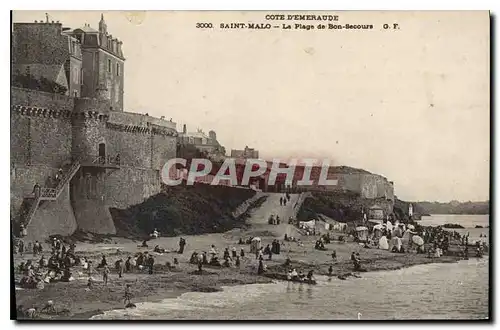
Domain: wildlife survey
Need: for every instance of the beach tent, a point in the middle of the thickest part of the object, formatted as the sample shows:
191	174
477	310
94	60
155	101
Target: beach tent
307	224
395	241
362	233
255	244
383	244
418	240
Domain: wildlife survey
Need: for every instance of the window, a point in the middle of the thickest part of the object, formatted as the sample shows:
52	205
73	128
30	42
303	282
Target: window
75	93
108	86
109	65
117	69
75	76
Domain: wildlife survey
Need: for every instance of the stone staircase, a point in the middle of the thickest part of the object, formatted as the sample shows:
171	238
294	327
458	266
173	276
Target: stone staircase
50	194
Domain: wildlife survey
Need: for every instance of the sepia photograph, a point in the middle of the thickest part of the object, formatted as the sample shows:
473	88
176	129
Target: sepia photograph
250	165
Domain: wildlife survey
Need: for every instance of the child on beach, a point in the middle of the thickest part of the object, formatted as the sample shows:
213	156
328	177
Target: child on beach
128	295
89	284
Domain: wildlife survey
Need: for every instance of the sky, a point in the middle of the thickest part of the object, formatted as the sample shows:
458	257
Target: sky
410	104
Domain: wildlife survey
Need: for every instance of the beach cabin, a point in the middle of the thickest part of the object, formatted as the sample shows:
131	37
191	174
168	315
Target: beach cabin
362	233
255	244
331	225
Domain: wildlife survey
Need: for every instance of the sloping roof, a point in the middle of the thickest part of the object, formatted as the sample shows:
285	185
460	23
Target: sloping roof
51	72
196	135
87	29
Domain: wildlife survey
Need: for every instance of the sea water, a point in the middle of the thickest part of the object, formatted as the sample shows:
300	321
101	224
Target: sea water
418	292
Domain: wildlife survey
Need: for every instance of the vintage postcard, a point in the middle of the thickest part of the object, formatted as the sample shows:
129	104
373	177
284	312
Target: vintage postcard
250	165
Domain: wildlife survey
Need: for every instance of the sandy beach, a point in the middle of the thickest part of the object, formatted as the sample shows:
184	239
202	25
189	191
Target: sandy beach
73	301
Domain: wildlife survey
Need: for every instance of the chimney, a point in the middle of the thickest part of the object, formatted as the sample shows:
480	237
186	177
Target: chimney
119	47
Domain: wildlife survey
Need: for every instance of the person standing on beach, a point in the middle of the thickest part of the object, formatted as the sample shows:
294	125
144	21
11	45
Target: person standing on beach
242	253
89	268
105	274
119	266
182	243
128	264
151	262
233	250
281	201
260	270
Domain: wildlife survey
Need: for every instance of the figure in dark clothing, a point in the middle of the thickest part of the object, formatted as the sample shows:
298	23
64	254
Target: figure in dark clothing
144	244
233	252
237	262
260	270
128	264
63	250
151	262
182	243
36	190
281	201
140	259
242	253
310	275
226	254
334	255
21	247
330	270
268	251
103	262
284	202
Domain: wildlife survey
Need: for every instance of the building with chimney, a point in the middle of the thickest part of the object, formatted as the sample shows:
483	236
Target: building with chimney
245	153
44	50
67	115
103	63
207	144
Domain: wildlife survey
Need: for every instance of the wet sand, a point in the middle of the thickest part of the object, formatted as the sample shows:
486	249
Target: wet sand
80	303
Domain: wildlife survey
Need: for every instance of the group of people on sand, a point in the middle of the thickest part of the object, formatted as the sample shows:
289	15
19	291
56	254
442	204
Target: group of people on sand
284	199
230	258
292	275
274	220
56	268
